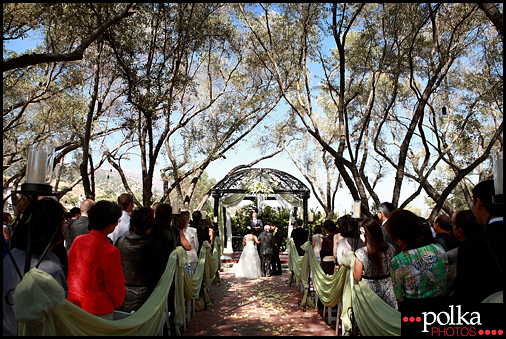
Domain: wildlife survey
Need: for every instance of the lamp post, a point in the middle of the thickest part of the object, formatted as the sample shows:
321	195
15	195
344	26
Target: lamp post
39	168
498	179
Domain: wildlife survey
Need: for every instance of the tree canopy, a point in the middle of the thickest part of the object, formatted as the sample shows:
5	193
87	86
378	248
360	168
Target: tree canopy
412	91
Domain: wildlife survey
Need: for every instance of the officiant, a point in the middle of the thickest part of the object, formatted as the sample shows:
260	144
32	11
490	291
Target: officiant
257	225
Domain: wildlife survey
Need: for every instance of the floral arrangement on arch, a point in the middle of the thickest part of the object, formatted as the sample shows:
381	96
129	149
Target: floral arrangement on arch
260	188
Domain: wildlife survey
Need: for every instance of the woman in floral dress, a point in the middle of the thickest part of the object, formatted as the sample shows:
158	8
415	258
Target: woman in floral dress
372	263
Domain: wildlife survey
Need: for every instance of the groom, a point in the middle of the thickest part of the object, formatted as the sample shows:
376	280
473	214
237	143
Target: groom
266	243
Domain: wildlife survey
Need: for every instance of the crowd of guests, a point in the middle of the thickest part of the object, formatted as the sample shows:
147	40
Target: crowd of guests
107	256
411	264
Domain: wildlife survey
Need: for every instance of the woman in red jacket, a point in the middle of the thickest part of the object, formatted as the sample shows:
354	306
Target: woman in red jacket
95	279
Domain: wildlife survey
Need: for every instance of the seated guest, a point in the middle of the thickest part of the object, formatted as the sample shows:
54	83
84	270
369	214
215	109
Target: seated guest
327	247
372	262
419	270
47	217
443	229
96	281
141	258
351	237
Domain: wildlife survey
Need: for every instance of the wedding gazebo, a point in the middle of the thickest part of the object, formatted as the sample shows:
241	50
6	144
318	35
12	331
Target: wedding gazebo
260	184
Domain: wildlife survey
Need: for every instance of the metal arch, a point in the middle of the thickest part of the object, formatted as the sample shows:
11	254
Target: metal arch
284	183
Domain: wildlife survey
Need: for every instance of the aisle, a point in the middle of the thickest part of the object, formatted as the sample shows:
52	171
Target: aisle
264	306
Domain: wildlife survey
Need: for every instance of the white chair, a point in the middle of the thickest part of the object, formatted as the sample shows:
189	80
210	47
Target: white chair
338	321
330	311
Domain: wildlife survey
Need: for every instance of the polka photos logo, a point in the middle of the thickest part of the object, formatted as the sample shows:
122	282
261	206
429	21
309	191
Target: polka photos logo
455	321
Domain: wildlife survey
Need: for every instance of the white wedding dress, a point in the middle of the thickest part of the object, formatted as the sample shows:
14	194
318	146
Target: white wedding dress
249	263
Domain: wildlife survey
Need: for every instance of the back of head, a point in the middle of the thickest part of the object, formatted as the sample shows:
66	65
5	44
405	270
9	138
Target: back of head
404	225
163	216
124	200
484	190
142	220
196	216
47	216
86	205
346	226
330	226
300	222
386	208
318	229
74	211
426	230
445	222
467	222
104	213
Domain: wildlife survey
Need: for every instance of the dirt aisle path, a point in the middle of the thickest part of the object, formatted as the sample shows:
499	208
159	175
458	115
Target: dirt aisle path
264	306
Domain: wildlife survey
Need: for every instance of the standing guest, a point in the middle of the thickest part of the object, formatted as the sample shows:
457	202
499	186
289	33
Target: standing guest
81	225
96	281
443	228
141	258
211	231
465	225
190	234
483	251
299	236
384	210
163	231
74	214
278	240
351	237
202	229
266	243
7	220
372	262
47	218
126	201
337	237
419	270
317	241
327	249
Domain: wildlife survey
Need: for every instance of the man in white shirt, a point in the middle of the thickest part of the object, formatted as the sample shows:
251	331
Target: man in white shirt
126	201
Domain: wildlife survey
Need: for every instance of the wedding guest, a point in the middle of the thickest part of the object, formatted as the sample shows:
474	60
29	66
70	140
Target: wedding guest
351	237
141	258
163	231
190	234
96	281
483	251
317	241
211	231
384	210
74	214
7	220
278	240
327	247
81	225
126	201
443	228
419	270
465	226
372	262
299	236
47	217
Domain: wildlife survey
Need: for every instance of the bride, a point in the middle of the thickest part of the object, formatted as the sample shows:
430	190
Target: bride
249	263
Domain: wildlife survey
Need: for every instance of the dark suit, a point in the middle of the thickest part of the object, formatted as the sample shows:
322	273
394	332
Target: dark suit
479	261
446	241
79	227
276	262
266	244
299	236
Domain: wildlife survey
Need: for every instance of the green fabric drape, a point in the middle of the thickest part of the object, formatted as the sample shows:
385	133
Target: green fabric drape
40	306
373	315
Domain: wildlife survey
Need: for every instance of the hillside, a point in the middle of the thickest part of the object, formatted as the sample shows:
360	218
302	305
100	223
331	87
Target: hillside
108	186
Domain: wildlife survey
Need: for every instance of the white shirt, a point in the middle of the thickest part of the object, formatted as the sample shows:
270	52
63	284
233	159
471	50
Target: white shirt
190	234
123	228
